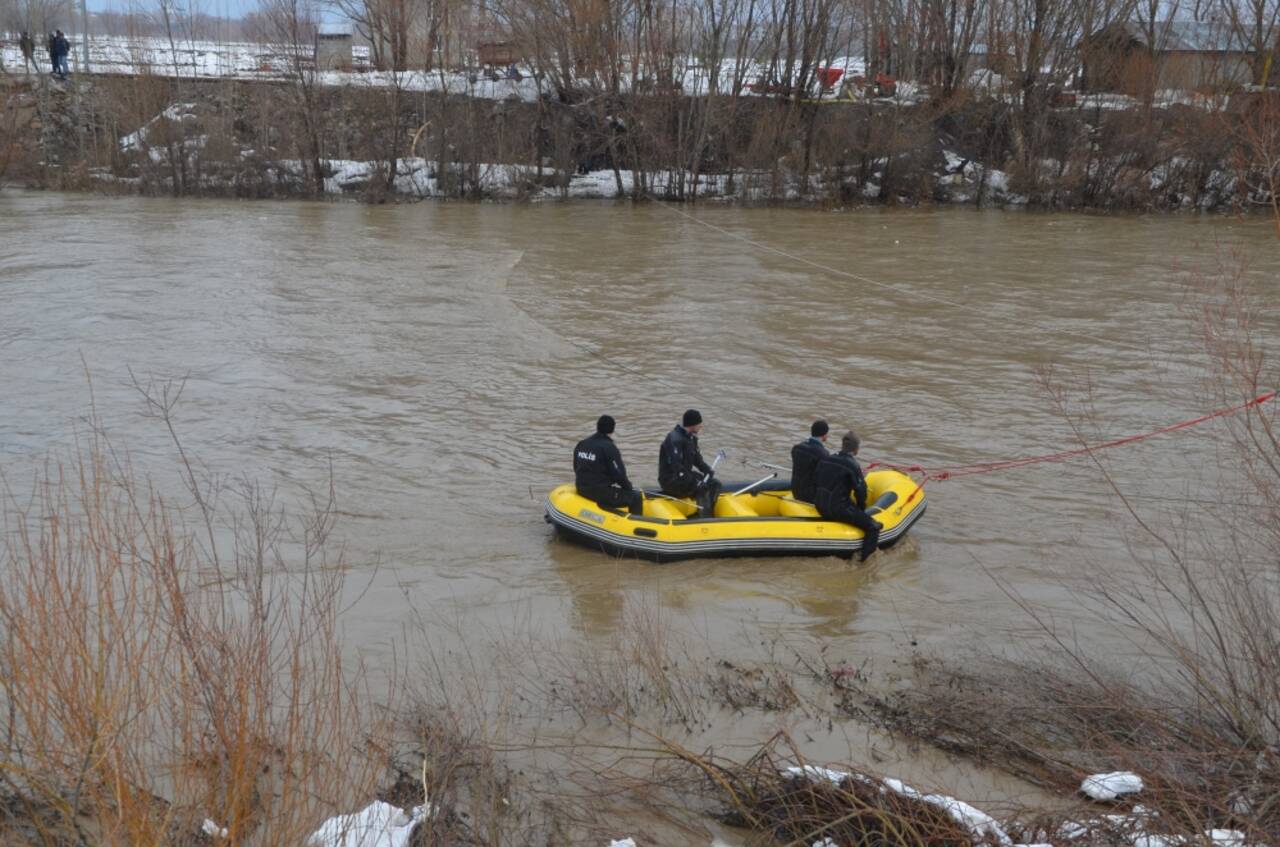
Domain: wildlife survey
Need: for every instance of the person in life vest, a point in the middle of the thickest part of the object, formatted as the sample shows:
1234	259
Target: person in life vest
805	457
842	493
598	471
681	470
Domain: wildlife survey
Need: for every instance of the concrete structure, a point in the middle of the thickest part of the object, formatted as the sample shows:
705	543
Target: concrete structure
1184	55
333	47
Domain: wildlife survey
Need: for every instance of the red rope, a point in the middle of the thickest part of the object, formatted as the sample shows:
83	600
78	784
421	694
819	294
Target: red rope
952	471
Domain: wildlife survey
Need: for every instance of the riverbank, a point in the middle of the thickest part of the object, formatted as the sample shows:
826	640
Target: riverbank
382	139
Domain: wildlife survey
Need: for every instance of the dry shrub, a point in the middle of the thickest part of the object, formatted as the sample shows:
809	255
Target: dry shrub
163	664
1052	727
1187	693
767	796
1258	154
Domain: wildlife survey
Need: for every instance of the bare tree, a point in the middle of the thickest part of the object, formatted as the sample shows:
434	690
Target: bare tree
402	34
35	16
1254	25
290	27
948	32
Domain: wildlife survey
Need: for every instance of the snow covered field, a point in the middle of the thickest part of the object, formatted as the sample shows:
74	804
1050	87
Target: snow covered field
184	58
190	59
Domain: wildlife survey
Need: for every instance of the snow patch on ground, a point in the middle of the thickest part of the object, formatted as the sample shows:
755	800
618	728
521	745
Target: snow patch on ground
976	820
176	112
817	774
985	79
982	825
212	830
1136	828
377	825
1109	786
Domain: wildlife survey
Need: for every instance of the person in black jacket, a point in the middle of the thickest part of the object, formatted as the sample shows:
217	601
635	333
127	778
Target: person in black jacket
681	470
598	471
61	48
804	462
840	476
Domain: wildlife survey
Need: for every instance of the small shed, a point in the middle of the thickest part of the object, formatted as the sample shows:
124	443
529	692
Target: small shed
1139	57
499	53
333	47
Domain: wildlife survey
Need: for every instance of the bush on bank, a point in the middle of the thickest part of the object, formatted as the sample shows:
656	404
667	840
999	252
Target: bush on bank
279	139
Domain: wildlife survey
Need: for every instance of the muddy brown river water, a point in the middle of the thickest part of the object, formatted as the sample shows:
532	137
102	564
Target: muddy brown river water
442	359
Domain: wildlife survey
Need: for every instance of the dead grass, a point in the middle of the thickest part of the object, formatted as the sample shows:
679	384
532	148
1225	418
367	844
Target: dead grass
165	662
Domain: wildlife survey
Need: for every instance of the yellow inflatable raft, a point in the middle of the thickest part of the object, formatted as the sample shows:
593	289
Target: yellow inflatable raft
766	521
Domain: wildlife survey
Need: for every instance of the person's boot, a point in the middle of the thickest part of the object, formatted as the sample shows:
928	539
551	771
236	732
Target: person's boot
871	541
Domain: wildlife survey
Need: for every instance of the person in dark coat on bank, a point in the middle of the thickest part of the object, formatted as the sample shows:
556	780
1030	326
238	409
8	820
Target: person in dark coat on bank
27	45
839	477
805	457
681	470
598	471
62	48
52	47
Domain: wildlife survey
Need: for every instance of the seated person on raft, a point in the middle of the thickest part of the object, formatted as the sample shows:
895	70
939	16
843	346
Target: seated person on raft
598	471
681	470
840	476
805	457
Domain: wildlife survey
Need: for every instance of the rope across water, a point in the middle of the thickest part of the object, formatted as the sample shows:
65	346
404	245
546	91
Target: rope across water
939	474
953	471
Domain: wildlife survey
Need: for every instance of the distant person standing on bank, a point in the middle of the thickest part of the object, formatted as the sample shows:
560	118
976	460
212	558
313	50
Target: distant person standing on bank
62	48
51	45
27	45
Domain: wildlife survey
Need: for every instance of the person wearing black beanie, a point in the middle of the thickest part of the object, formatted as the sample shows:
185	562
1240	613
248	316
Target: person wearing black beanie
598	471
842	493
805	457
681	469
